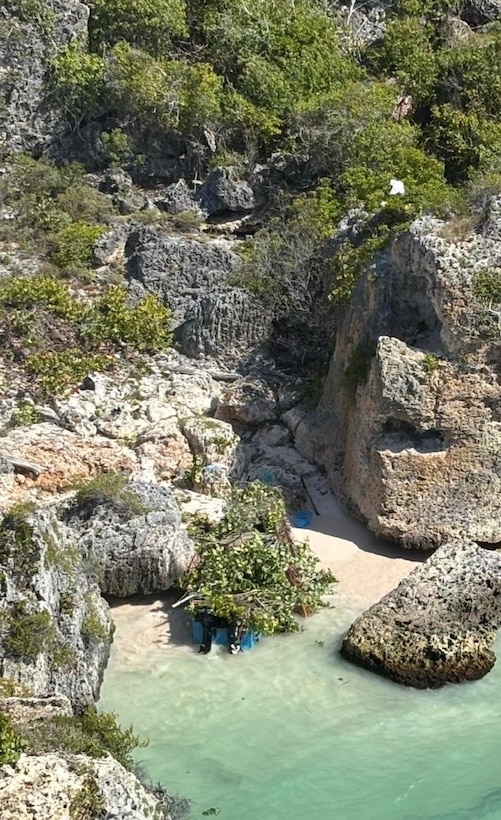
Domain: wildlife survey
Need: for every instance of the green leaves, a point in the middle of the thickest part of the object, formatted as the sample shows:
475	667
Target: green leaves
147	24
249	567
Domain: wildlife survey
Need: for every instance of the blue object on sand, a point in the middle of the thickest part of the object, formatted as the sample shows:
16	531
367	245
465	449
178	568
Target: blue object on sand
303	518
220	636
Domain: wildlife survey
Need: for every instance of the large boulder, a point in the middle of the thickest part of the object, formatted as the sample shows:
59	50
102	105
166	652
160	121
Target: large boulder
134	533
223	191
408	426
438	625
194	278
36	35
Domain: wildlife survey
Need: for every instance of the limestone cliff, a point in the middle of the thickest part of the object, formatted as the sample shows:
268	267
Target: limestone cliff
408	427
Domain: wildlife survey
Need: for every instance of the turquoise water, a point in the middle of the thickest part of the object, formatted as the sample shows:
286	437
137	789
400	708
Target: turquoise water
290	731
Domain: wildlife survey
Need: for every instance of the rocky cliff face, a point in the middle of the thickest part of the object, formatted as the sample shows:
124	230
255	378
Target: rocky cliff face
55	627
438	625
30	37
53	787
408	427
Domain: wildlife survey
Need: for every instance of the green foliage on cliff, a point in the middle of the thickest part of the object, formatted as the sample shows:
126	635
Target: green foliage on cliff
250	569
60	337
147	24
110	489
93	733
11	743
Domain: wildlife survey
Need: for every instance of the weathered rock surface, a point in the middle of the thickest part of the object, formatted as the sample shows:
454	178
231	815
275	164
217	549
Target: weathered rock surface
224	191
136	538
28	42
408	428
250	401
61	458
56	787
438	625
55	629
193	278
26	710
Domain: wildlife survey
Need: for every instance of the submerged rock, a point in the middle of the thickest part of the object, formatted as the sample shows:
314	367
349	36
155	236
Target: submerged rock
438	625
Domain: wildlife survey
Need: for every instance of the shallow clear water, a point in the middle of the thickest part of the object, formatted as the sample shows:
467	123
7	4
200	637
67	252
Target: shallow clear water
290	731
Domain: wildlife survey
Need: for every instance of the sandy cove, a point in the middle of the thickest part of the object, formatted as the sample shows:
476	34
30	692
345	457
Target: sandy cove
365	567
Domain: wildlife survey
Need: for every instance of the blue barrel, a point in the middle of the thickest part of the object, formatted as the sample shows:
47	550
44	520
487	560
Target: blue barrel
303	518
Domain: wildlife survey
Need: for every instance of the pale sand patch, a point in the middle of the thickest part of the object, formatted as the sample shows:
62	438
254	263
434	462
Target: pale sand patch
366	569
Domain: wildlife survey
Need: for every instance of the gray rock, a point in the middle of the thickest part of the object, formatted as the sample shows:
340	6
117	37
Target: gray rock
481	12
48	786
177	198
224	191
250	401
225	321
49	586
109	248
193	278
438	625
137	539
24	710
27	121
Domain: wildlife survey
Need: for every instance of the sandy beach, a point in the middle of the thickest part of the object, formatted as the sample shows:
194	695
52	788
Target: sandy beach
365	567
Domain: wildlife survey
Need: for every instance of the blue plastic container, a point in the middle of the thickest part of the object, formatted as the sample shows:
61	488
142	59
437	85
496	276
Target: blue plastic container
303	518
221	638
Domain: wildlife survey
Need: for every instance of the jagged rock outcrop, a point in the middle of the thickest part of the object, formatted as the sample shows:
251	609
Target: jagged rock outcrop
135	536
57	787
438	625
193	277
223	191
29	39
408	426
55	629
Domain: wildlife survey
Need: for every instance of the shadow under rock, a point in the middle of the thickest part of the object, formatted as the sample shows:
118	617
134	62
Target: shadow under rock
174	625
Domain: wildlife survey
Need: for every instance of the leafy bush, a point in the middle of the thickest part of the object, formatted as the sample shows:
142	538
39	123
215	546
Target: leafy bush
25	414
92	733
27	633
163	94
487	286
250	569
56	372
11	744
144	326
31	293
146	24
73	245
78	79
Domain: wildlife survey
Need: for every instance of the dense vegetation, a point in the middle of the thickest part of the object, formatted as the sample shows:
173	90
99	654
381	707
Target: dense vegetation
249	568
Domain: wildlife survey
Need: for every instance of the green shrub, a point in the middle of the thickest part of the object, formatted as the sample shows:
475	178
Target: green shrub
32	293
250	569
359	364
28	633
93	733
78	79
163	94
56	372
146	24
144	326
487	286
89	802
11	744
430	363
25	414
73	245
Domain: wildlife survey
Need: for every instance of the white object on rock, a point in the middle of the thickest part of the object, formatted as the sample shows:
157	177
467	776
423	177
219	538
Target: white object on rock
396	187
